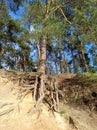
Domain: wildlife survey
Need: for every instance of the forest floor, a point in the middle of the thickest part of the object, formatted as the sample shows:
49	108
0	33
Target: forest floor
77	110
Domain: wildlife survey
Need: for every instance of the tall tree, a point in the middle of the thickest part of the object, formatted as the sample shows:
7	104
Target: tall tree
47	22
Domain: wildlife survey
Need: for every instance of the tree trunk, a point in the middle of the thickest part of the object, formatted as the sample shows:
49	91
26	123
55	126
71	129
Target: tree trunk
2	51
38	48
61	63
67	65
42	60
55	61
84	63
75	65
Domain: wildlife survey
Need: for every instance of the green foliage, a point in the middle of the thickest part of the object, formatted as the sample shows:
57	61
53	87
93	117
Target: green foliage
74	23
45	20
87	79
14	41
92	70
12	71
62	112
85	19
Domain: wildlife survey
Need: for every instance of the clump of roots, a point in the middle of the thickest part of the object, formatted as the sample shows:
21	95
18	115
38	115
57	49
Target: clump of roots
43	88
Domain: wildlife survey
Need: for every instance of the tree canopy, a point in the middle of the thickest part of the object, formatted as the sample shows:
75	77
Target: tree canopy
54	36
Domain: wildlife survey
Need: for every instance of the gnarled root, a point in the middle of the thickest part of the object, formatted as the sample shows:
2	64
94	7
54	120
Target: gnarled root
43	88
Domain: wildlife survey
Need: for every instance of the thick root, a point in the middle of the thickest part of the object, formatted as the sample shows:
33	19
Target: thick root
43	88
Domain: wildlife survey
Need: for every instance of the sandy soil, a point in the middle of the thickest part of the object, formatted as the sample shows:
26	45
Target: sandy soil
15	115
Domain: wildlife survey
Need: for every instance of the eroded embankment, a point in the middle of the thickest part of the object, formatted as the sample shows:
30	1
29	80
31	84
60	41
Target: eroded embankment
14	113
15	108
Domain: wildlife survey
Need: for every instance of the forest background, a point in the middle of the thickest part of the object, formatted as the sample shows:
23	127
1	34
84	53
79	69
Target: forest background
50	36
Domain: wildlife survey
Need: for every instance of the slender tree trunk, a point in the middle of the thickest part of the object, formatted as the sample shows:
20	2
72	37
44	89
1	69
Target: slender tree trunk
74	61
42	60
17	63
2	51
85	66
85	63
61	62
67	65
24	62
56	67
55	61
81	62
38	48
76	65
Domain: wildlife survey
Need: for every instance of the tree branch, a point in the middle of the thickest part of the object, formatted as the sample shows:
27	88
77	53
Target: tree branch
65	16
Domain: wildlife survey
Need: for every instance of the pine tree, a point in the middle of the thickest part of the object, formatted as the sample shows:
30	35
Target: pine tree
48	21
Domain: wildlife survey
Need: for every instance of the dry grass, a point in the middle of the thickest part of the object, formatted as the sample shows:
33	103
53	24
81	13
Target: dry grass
79	118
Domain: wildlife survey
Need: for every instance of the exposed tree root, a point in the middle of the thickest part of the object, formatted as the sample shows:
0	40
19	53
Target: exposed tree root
43	88
6	111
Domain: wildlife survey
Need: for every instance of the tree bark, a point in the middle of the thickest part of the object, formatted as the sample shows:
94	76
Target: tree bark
83	59
55	61
67	65
38	48
85	63
42	60
61	62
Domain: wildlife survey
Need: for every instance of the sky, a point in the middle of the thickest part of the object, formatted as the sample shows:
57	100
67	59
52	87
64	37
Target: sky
19	14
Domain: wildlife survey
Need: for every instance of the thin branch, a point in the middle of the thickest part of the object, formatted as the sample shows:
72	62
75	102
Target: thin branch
26	87
65	16
48	12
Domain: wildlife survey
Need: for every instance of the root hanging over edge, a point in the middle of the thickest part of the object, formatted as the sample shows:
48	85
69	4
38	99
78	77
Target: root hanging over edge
43	88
